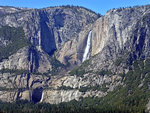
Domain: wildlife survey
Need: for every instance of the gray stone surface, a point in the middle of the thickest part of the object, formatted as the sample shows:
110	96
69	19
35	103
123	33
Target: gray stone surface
65	30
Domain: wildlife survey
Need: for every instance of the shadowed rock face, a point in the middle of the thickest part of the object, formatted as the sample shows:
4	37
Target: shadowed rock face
48	43
34	59
140	41
51	29
62	32
37	95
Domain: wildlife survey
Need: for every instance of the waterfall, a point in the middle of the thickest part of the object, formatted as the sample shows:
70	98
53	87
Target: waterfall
42	97
87	48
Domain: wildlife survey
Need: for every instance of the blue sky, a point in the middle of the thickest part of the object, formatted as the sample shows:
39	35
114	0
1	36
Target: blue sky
99	6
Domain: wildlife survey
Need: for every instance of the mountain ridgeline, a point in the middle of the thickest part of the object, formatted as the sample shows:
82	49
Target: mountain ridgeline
74	58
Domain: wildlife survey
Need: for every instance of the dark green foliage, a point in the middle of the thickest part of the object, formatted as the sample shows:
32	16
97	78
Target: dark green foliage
84	89
119	61
16	71
122	58
16	39
65	88
13	89
6	89
147	66
104	72
127	99
55	63
79	71
56	66
132	97
85	106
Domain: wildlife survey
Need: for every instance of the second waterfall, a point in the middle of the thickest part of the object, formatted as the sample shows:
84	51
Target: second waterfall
87	48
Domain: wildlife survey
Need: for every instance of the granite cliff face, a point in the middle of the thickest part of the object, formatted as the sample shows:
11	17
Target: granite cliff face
115	33
58	38
54	90
51	30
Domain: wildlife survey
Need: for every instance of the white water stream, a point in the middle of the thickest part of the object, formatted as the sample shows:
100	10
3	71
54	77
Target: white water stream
87	48
42	97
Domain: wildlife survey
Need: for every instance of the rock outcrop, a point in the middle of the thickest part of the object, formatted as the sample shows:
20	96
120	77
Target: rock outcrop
54	90
51	29
114	34
58	37
27	59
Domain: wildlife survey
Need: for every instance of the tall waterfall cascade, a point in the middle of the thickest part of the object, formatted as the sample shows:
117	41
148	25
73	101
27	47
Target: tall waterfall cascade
87	48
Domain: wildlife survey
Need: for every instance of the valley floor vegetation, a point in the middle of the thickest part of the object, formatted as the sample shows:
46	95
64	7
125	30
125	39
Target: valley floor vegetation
130	98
